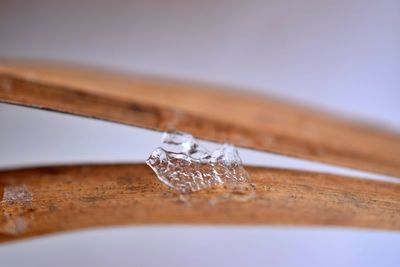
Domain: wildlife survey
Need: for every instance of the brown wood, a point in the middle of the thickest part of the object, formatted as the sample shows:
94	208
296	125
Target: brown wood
242	119
55	199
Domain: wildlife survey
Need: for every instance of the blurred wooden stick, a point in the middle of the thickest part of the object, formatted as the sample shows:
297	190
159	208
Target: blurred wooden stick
54	199
224	116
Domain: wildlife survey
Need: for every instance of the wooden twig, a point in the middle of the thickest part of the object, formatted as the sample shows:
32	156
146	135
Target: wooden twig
242	119
54	199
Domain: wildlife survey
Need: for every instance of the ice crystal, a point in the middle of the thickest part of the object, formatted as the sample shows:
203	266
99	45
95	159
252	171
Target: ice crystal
185	165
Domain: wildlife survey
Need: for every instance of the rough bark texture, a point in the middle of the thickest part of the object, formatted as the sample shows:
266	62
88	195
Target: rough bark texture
53	199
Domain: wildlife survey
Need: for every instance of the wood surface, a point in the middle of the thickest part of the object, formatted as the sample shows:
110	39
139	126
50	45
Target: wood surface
55	199
244	119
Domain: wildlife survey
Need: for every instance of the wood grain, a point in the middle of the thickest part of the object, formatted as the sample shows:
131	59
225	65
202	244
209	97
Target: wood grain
207	112
55	199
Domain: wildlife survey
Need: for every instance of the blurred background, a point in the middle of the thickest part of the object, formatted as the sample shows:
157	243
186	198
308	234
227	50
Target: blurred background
339	56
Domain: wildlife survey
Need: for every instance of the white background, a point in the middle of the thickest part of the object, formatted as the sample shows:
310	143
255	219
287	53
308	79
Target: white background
341	56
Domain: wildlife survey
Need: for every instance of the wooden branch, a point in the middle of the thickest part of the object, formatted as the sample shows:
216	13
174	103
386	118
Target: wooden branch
242	119
54	199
